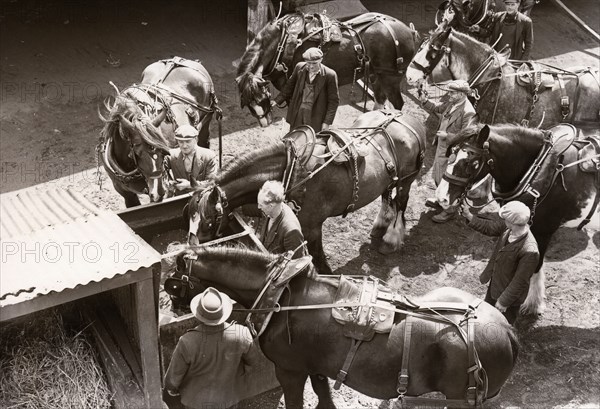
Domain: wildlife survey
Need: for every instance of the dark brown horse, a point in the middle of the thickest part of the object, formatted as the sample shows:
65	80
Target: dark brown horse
563	95
510	154
310	342
139	127
462	14
394	146
373	43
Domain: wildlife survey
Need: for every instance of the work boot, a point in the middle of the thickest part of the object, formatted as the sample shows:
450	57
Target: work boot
444	215
433	203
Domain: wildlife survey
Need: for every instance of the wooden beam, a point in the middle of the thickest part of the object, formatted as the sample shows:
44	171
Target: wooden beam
579	21
259	12
146	317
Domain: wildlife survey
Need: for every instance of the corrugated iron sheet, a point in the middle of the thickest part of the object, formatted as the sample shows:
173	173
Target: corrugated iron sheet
57	240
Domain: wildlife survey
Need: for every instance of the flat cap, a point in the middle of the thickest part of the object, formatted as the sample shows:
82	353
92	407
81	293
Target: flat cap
459	86
515	212
186	132
312	54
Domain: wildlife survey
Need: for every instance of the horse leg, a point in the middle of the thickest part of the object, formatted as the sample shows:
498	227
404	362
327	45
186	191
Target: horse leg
391	87
379	93
292	384
314	238
320	385
394	236
204	133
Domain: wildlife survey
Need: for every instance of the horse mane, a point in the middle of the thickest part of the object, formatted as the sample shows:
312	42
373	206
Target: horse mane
520	135
127	107
468	39
225	253
251	157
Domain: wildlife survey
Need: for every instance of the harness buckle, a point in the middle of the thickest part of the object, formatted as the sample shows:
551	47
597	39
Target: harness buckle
565	106
402	387
533	192
471	395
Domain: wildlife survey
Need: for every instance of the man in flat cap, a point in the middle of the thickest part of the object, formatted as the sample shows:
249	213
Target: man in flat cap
210	360
311	93
511	29
190	162
456	113
514	259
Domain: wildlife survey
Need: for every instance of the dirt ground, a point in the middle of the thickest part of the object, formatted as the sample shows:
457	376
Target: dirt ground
56	61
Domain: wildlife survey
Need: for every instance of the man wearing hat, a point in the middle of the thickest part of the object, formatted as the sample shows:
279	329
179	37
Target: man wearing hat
456	113
311	93
190	162
514	259
511	29
210	359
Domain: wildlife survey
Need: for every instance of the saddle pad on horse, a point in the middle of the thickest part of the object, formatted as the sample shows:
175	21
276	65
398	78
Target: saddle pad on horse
279	276
342	146
530	74
374	314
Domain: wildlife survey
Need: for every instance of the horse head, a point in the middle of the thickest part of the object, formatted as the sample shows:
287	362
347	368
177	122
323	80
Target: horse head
469	163
461	14
148	149
205	214
236	271
429	54
256	95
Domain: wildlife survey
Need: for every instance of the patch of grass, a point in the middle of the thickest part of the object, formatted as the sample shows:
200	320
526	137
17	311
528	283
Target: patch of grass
43	366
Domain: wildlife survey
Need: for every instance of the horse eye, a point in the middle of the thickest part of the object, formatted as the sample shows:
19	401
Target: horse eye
475	164
155	156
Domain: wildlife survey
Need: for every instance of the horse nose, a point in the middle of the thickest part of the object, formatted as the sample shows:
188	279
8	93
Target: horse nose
154	198
193	240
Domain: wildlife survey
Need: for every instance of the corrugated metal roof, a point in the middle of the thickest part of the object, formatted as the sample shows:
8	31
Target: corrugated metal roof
57	240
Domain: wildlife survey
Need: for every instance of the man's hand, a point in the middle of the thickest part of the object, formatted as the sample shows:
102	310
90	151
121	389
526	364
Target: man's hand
422	97
325	127
182	184
465	211
500	307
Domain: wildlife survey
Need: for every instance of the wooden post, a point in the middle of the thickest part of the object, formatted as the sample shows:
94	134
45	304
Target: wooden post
259	12
146	317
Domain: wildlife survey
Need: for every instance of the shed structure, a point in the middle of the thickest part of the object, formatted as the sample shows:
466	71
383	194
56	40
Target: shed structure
57	247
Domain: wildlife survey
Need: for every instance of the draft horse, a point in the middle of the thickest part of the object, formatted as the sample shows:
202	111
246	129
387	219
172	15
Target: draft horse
557	177
509	92
429	343
371	45
139	126
392	146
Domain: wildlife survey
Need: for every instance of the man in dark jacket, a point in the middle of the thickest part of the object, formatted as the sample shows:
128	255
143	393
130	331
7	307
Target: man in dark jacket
509	28
280	229
210	360
311	93
190	161
514	259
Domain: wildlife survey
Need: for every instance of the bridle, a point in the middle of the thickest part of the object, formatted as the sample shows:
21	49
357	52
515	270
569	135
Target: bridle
266	93
466	183
207	224
434	56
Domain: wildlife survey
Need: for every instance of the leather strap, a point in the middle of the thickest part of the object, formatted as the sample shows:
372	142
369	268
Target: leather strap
402	387
341	376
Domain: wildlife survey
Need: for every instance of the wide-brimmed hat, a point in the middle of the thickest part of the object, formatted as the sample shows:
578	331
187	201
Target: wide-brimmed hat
459	86
212	307
186	132
515	212
312	54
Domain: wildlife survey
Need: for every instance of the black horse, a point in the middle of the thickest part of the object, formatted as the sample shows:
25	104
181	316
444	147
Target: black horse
557	179
307	340
372	45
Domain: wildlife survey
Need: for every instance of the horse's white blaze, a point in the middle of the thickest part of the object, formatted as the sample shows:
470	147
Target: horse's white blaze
594	224
154	184
194	225
534	303
414	75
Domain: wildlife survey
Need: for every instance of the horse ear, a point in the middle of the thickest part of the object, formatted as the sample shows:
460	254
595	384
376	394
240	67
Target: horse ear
159	118
484	134
186	216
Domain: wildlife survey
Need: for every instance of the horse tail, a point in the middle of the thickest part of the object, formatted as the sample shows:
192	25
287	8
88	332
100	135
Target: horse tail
514	342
